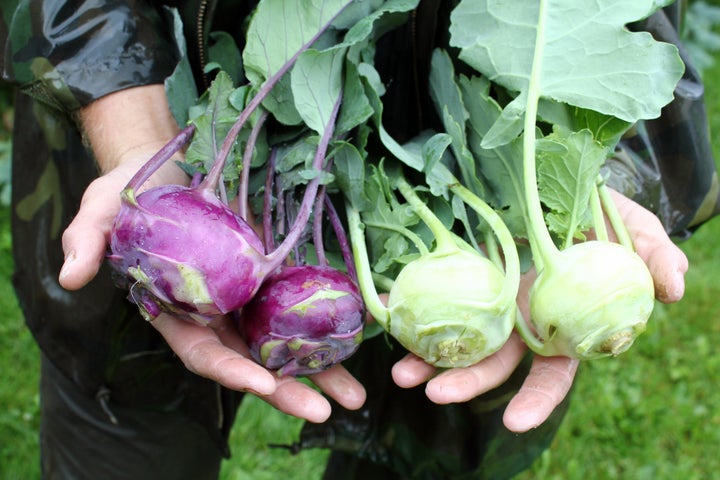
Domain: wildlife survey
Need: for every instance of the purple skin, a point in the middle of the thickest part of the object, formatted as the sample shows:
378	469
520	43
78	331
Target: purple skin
304	320
157	238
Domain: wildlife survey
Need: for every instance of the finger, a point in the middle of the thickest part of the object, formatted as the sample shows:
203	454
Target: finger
340	385
546	385
202	353
85	239
291	396
299	400
665	260
463	384
411	371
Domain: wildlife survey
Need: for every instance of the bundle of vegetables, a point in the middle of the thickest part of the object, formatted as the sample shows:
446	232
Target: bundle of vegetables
441	222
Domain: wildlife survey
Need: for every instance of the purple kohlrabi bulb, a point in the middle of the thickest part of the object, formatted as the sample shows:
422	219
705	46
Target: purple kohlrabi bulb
304	320
183	251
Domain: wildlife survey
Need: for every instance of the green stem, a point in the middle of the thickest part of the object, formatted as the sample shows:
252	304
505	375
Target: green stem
601	232
445	242
507	243
364	274
616	221
412	236
529	336
492	249
542	244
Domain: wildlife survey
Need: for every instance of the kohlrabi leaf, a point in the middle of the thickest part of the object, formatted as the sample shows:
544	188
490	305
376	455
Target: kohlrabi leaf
213	123
587	57
363	19
316	83
449	103
278	31
280	28
568	164
606	129
223	54
502	166
387	245
180	86
355	109
349	169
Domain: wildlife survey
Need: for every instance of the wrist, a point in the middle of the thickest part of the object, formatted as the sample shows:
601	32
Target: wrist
127	127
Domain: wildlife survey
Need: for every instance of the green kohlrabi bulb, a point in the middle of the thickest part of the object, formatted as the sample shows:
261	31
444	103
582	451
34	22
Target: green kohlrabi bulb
592	302
447	309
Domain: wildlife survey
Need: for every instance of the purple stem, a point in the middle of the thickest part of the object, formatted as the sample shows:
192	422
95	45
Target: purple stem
276	258
267	204
342	238
196	179
162	156
246	161
214	175
317	229
280	209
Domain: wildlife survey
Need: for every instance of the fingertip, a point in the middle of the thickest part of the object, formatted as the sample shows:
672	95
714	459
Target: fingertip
319	413
85	252
673	289
261	389
353	397
522	418
668	273
411	371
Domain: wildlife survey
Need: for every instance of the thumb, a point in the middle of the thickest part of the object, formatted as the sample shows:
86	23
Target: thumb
84	248
85	240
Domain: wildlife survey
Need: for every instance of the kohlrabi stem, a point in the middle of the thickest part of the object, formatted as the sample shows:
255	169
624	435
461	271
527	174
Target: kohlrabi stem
539	234
278	256
444	240
317	227
491	246
406	232
215	173
364	273
507	243
267	217
599	226
246	162
528	336
162	156
613	215
342	239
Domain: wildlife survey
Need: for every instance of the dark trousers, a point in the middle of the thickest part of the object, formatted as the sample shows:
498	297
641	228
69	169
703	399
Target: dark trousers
79	439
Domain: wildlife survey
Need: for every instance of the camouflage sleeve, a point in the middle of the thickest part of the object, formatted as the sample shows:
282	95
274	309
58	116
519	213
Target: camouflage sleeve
67	54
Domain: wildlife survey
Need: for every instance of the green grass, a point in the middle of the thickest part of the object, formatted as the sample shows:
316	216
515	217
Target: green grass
19	415
652	413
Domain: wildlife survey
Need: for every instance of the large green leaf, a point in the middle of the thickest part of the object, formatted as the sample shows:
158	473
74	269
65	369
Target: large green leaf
317	85
588	57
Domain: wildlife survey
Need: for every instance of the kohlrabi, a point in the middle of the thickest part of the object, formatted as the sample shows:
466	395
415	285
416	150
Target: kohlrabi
590	298
305	318
451	306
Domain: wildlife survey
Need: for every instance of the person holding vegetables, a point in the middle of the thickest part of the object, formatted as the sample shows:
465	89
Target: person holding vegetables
121	397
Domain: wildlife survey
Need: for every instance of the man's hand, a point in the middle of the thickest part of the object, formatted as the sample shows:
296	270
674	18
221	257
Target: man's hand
550	378
124	130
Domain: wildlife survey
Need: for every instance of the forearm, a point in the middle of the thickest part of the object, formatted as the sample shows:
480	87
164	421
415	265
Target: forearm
127	127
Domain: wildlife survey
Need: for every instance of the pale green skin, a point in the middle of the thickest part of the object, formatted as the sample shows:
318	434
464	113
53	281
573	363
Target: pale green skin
593	302
445	308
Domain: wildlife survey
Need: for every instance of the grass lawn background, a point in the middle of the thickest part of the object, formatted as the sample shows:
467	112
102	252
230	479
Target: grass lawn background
652	413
